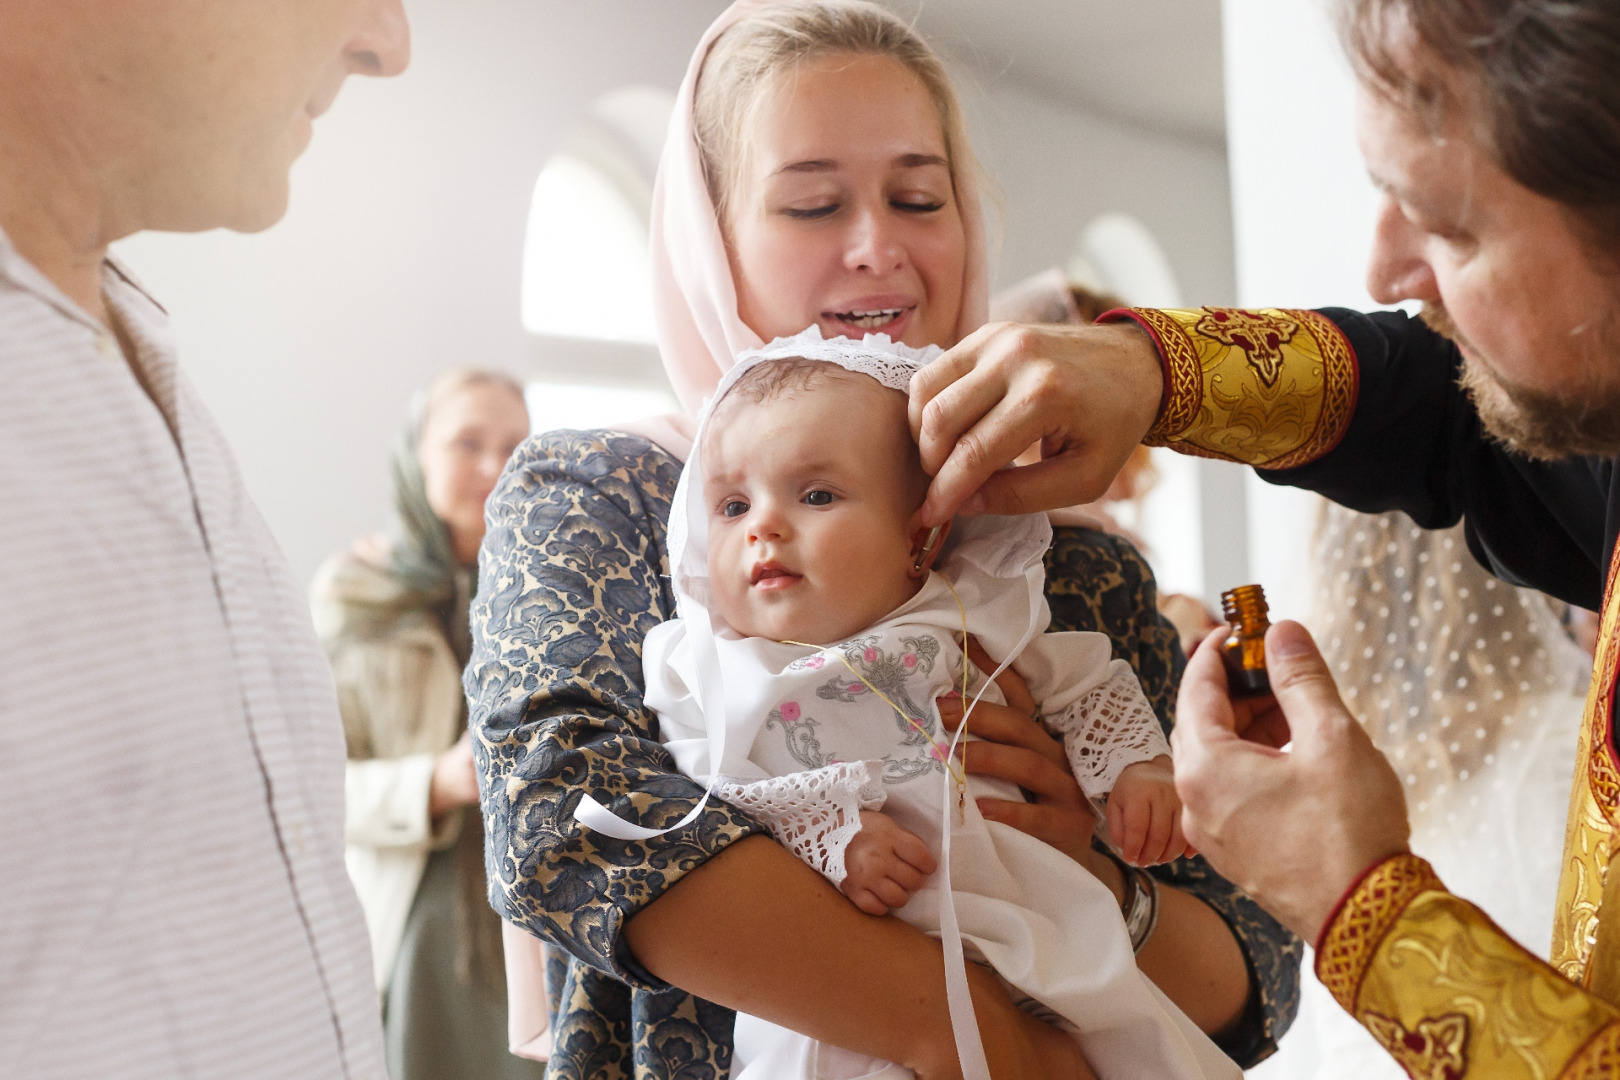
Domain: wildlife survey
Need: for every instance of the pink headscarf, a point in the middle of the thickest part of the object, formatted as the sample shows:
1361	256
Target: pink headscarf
700	335
694	296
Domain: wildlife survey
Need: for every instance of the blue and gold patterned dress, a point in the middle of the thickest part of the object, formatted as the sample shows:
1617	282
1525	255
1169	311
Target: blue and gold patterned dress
573	576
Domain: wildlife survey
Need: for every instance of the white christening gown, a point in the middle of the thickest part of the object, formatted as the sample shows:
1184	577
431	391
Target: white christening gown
808	745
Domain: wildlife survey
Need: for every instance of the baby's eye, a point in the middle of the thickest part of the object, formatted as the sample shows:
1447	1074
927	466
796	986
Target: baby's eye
734	508
819	498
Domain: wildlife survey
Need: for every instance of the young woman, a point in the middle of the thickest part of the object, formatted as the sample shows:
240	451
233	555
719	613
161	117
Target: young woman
818	172
392	613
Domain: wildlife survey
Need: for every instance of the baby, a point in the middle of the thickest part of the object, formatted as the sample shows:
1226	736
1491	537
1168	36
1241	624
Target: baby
795	537
814	488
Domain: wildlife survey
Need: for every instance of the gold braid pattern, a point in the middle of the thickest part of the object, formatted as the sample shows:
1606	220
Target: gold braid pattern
1599	1059
1582	948
1272	387
1365	916
1451	996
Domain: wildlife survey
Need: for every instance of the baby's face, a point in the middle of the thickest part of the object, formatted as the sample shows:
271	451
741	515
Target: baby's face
812	501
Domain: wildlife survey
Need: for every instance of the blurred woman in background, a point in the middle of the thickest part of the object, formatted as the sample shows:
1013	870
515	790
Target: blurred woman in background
392	613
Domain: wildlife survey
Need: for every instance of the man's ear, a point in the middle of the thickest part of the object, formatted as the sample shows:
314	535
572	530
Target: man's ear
926	544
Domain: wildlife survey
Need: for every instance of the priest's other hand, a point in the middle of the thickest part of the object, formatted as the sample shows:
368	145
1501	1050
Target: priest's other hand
1086	394
1293	828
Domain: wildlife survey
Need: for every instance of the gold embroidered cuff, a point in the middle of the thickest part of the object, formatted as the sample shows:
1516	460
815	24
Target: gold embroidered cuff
1273	388
1599	1059
1448	994
1357	927
1183	377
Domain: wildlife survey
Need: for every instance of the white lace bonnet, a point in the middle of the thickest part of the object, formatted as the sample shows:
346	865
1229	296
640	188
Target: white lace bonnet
1000	546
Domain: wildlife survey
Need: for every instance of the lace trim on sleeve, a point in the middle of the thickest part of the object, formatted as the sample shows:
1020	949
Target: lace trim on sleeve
813	814
1109	728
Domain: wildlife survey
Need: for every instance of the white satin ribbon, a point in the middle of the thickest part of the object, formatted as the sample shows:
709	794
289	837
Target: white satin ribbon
958	996
711	698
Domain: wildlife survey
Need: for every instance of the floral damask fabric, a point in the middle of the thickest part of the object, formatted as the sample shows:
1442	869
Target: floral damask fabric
571	580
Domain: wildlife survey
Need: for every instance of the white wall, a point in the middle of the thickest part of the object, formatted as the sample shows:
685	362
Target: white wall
402	251
1059	166
1301	202
1303	210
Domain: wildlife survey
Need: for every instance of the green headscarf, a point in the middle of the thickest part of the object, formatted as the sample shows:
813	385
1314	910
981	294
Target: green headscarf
421	574
366	597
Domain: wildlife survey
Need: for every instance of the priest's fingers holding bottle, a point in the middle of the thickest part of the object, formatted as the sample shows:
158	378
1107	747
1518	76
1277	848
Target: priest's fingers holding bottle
1293	828
1086	394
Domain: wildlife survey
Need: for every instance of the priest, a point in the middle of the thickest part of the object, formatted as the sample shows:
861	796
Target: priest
1492	128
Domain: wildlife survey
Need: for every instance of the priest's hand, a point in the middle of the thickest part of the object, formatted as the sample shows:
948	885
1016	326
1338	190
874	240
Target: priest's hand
1293	828
1086	394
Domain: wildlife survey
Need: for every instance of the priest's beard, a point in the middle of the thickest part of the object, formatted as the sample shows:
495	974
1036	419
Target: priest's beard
1547	425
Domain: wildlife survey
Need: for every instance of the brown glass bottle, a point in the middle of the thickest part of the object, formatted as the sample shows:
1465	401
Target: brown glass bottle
1244	650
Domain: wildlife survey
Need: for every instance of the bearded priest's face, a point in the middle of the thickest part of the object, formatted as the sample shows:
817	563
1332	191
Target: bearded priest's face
1506	273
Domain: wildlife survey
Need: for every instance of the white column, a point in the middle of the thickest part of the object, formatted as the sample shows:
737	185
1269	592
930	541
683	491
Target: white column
1302	210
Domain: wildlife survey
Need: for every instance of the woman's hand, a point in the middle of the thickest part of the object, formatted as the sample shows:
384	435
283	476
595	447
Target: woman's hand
455	779
1191	618
1016	748
1087	394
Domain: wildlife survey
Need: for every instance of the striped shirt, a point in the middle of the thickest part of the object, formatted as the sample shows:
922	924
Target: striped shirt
173	900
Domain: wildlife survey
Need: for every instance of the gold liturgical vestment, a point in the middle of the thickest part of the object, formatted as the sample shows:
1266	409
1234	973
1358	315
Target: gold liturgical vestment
1438	984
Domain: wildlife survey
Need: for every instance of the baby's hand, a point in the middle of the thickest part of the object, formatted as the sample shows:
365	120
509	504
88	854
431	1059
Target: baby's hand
884	865
1144	814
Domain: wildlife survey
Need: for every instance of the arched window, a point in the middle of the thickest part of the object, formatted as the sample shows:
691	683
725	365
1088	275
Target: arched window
1183	518
586	272
1118	254
587	281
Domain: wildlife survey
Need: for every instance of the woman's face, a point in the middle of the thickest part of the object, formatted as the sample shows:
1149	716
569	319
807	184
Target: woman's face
844	213
466	439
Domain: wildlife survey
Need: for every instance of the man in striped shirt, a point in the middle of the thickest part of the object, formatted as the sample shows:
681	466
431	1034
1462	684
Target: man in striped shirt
173	900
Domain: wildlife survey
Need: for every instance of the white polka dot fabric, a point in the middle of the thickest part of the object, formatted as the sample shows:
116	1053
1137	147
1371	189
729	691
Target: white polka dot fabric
1474	692
173	900
1472	689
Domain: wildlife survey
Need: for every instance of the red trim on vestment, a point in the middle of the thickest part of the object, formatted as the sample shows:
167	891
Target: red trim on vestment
1344	897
